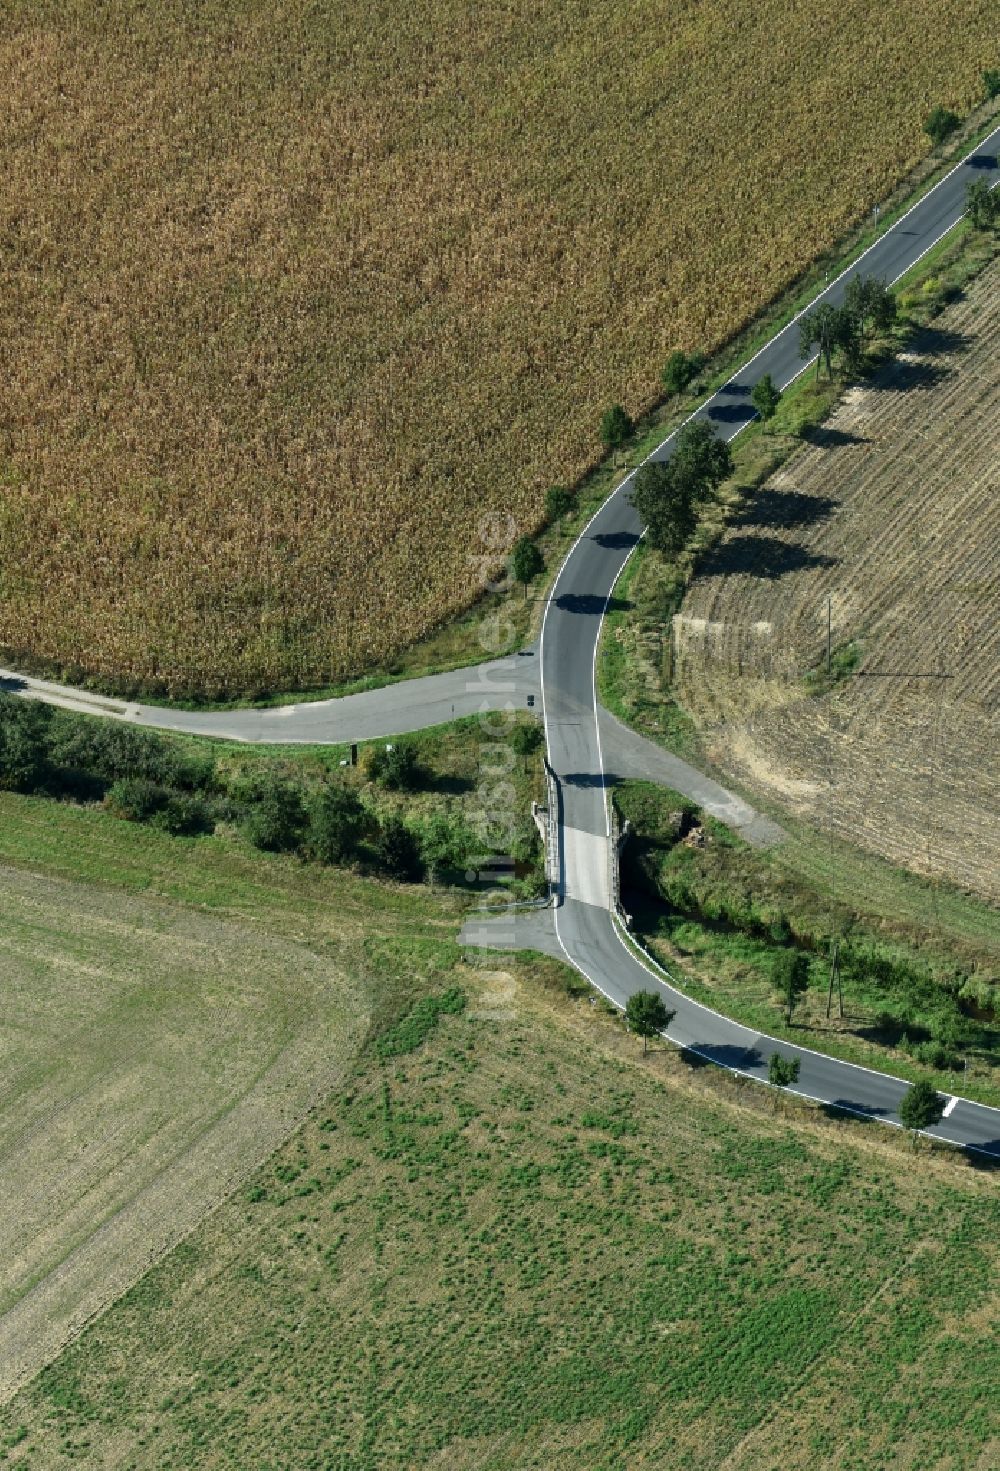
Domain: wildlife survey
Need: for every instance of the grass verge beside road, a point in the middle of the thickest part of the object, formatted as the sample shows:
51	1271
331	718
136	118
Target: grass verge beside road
918	963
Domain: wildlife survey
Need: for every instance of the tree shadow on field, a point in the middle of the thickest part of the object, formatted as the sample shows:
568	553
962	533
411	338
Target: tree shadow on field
979	1160
905	377
889	1031
847	1108
941	339
455	786
759	556
825	436
844	1112
784	508
693	1060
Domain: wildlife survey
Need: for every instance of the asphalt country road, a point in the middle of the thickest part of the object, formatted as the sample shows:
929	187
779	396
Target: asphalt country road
395	709
586	926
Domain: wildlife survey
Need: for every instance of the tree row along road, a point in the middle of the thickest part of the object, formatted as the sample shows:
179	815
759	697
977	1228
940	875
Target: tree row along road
564	668
586	927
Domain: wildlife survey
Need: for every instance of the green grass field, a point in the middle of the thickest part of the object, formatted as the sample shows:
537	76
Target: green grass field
173	1007
508	1242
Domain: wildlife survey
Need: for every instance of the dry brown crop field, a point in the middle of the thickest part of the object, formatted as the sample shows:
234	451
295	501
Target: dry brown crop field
290	294
892	522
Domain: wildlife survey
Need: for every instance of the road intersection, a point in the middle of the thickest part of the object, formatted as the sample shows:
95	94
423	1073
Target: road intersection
587	747
587	928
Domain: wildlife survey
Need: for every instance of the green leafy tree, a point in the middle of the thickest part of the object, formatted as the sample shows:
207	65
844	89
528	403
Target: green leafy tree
666	494
337	823
397	851
24	753
616	427
790	973
849	341
765	397
276	815
991	82
940	123
680	370
526	739
818	329
982	205
782	1070
921	1108
647	1015
662	497
558	503
871	302
702	458
526	561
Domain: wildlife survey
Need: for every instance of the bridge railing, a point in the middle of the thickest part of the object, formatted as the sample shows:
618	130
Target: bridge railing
553	856
616	840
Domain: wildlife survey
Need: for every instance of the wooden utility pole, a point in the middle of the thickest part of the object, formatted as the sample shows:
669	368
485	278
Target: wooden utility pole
829	640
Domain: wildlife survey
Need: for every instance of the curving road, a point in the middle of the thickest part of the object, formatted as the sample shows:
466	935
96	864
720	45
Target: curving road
582	926
585	926
394	709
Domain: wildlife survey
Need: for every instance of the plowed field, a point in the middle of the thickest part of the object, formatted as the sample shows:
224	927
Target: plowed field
887	534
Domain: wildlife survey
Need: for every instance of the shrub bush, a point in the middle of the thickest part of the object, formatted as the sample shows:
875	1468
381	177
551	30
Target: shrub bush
940	123
680	370
397	852
276	817
934	1054
396	767
107	750
24	729
337	822
558	502
185	815
446	842
136	798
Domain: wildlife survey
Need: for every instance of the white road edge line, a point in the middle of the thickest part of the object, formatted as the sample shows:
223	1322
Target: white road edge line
600	627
